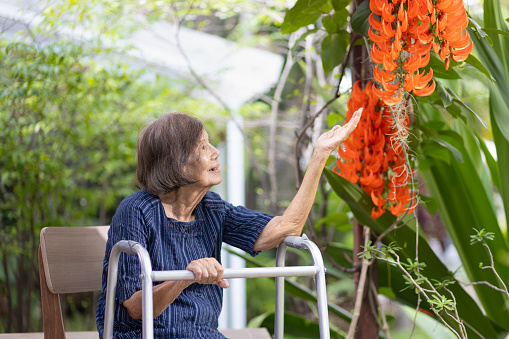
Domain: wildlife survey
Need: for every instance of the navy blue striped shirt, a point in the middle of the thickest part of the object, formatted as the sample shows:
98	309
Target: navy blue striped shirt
172	245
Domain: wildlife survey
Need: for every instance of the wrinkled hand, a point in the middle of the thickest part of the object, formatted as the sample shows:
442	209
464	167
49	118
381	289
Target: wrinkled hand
208	271
330	140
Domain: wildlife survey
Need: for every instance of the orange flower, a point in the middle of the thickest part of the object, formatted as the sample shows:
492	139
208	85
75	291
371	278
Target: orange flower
372	157
414	27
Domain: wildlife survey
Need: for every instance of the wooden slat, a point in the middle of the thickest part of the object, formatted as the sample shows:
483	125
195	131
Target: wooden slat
73	257
52	321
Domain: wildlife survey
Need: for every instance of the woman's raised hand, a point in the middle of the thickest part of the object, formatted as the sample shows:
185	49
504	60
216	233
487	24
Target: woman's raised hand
330	140
208	271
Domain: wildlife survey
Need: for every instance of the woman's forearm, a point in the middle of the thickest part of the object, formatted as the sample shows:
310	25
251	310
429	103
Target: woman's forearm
293	219
163	295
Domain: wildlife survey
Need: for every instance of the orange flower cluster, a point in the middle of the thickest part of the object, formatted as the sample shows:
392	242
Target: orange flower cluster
404	32
373	157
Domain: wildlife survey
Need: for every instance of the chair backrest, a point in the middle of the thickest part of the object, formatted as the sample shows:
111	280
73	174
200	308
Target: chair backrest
70	261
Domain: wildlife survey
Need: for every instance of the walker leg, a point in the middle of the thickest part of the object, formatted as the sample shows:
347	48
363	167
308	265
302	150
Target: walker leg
280	295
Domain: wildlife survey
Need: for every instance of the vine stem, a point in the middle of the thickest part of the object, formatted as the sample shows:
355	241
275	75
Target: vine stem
360	289
460	322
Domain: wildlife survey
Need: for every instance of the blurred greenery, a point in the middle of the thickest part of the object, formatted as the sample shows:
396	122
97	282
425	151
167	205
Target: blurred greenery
68	149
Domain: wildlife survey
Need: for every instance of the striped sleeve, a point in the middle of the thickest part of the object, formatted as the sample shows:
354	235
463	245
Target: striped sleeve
128	224
243	226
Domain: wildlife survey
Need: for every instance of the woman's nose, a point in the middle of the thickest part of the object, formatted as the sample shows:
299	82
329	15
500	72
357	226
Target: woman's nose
215	153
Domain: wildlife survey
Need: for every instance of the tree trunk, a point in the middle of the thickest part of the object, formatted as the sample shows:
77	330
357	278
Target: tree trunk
367	326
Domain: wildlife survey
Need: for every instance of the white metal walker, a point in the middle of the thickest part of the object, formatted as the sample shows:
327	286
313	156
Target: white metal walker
279	272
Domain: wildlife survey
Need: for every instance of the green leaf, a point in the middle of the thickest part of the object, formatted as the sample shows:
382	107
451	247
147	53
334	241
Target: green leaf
457	100
502	144
443	94
303	13
493	19
475	63
340	4
387	291
360	19
334	23
333	50
429	203
457	154
478	29
491	162
337	218
496	61
499	99
434	150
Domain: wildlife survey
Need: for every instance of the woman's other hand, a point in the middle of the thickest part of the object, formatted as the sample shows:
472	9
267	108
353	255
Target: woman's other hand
208	271
330	140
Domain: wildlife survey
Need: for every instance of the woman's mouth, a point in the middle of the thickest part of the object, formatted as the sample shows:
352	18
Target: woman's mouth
214	169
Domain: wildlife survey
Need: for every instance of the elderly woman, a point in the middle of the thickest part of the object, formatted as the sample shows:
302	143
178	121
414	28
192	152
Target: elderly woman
182	225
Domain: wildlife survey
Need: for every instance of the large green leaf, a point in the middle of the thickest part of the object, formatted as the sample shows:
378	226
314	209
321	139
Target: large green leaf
389	277
493	19
497	103
476	64
360	19
499	95
303	13
497	68
333	50
491	162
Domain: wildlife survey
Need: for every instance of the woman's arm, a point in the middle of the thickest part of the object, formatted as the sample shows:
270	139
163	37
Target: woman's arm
293	219
206	271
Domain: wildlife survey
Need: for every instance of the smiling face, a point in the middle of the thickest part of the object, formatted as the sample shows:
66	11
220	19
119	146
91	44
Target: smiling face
203	164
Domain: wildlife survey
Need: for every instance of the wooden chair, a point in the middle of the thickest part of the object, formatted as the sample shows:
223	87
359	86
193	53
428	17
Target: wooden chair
71	261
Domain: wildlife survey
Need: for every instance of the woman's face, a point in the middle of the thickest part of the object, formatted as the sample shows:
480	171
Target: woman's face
203	164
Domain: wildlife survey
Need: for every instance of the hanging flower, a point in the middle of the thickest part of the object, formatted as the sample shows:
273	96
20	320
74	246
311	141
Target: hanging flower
373	155
404	32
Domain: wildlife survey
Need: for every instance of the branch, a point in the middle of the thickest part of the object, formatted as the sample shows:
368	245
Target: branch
484	283
495	271
360	289
201	81
385	325
273	126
